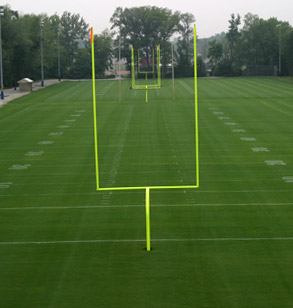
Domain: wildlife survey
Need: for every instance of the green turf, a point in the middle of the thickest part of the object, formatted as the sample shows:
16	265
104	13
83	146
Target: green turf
227	244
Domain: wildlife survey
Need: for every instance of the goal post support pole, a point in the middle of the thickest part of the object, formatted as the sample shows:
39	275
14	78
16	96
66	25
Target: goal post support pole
196	103
147	217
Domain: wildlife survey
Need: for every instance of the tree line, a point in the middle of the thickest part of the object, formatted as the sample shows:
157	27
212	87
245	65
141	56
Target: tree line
65	41
66	44
258	44
260	47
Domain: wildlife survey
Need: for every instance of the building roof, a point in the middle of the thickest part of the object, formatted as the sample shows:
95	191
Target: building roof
25	80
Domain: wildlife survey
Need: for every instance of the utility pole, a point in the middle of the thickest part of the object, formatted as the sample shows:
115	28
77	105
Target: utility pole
1	62
59	64
42	60
173	82
119	59
280	59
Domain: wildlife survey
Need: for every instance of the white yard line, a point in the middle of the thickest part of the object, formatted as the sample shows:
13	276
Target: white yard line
290	106
174	191
207	180
275	108
153	240
85	207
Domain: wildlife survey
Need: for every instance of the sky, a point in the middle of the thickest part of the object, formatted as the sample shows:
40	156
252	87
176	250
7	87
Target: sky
211	15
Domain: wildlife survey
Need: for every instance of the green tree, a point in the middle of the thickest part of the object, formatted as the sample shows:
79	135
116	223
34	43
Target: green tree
103	51
201	68
82	68
22	55
233	34
185	45
215	54
9	46
288	52
73	30
145	27
259	43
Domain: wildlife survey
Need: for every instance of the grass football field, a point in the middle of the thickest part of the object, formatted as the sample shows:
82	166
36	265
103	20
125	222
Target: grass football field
227	244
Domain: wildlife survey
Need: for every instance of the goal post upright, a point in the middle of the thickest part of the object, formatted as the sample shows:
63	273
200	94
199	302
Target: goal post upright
148	188
95	108
195	102
147	218
132	68
159	65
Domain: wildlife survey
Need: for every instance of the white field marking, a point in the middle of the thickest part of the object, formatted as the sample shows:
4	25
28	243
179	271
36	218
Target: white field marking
275	162
254	85
273	88
230	123
218	112
120	144
238	130
280	110
56	134
290	106
31	153
223	239
5	185
213	108
73	120
79	173
288	179
283	89
188	88
46	142
75	115
207	180
260	149
228	85
177	192
19	167
14	114
85	207
224	118
248	139
63	126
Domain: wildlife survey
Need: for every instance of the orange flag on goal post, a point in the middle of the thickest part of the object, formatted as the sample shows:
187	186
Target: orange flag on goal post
92	35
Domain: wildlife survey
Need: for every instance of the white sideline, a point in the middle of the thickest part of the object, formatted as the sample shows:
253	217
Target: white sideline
153	240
